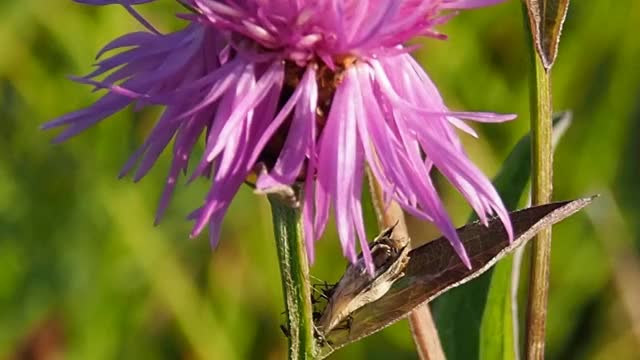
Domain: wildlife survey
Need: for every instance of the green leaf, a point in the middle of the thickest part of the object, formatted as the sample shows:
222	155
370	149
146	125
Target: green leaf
546	18
462	323
496	330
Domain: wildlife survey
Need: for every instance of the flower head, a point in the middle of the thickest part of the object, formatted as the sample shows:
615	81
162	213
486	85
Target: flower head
311	91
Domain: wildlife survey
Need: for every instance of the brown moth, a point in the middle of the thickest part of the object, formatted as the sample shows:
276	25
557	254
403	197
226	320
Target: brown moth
357	288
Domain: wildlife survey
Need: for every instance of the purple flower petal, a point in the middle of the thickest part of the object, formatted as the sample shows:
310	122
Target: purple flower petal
225	78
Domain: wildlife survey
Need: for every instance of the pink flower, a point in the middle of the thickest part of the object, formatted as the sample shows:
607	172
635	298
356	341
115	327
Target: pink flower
313	91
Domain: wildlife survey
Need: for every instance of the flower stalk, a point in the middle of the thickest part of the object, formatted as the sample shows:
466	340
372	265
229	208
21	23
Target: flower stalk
541	190
544	20
294	271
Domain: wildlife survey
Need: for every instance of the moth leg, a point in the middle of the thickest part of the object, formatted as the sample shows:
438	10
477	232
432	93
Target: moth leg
315	278
345	324
285	330
321	340
327	290
315	316
324	290
349	323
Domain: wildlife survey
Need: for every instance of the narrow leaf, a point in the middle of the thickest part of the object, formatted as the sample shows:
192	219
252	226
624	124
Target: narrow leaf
546	18
434	268
496	329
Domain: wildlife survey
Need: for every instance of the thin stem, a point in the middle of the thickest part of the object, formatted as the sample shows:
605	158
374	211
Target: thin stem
425	334
294	270
541	189
423	328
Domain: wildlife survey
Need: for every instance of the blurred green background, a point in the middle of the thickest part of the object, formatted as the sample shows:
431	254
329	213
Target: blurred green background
85	275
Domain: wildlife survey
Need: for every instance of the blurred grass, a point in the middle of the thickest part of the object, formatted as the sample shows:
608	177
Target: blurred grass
84	274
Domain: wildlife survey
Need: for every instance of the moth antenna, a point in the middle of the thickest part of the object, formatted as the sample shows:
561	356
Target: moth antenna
389	231
322	338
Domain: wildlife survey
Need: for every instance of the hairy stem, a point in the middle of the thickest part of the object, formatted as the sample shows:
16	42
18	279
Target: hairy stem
541	189
423	328
294	271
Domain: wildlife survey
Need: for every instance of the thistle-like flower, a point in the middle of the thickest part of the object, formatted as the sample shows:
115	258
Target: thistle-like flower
311	93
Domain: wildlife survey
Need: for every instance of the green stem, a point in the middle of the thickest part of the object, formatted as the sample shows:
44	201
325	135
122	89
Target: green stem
294	271
541	189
